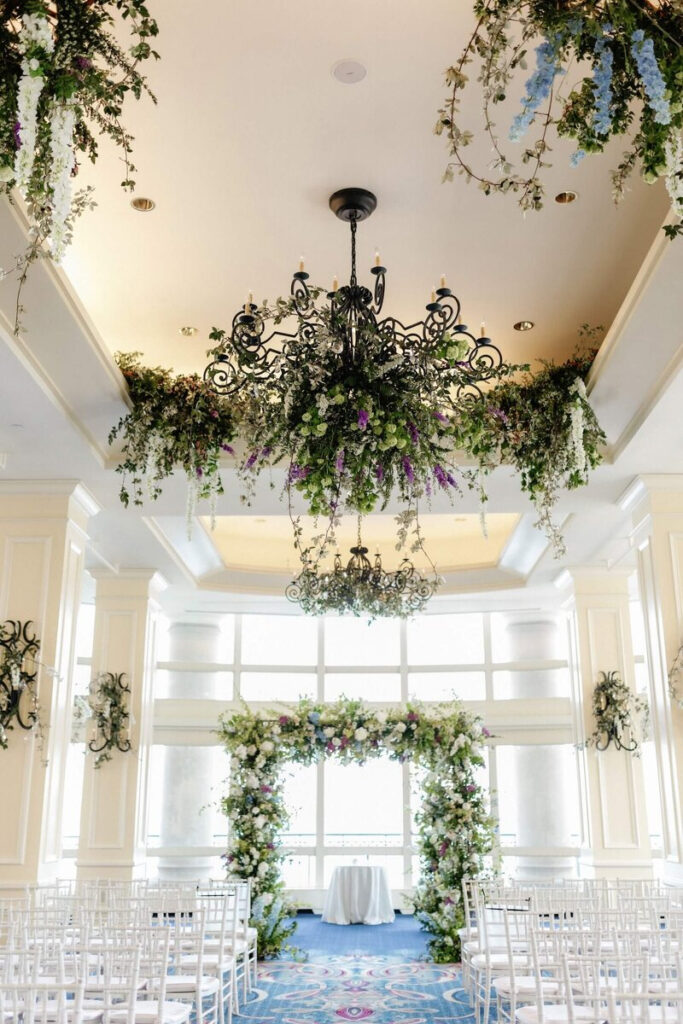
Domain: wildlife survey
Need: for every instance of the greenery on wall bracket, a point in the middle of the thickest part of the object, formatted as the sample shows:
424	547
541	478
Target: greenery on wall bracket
19	648
108	706
621	716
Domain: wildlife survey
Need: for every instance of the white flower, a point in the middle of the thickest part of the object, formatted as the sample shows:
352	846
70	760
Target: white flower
241	752
35	31
251	781
262	869
267	747
329	732
400	727
6	173
267	899
381	717
673	152
251	750
361	733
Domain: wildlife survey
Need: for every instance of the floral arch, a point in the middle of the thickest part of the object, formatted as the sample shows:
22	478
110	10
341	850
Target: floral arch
455	829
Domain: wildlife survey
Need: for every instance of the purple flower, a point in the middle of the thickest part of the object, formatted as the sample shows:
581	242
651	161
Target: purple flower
412	716
251	460
266	789
485	731
442	849
499	415
265	452
297	473
379	472
363	418
270	846
228	449
448	902
414	433
428	487
83	63
214	413
17	134
440	417
441	478
408	469
339	462
470	788
200	472
452	481
283	720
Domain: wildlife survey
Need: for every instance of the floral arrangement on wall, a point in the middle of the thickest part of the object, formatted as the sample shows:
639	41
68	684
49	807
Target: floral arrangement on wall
64	78
19	707
621	716
176	422
107	706
454	827
596	71
674	678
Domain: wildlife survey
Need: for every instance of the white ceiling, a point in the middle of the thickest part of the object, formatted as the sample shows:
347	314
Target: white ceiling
251	135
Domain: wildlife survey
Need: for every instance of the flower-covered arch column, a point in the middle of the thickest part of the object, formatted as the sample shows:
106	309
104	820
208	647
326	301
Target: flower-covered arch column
454	827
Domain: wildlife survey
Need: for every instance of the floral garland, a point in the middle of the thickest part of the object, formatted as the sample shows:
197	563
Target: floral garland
635	49
621	716
455	829
544	426
107	705
176	421
64	77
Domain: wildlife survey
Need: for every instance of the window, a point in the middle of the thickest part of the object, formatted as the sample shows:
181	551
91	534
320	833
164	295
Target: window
364	804
279	640
368	686
446	640
351	641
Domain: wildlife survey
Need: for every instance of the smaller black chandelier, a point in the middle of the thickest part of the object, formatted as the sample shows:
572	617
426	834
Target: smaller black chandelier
362	587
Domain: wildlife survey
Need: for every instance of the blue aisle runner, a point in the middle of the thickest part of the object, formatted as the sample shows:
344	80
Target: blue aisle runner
403	938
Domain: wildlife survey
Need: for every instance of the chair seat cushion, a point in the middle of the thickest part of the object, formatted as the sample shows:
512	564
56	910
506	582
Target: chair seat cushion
149	1011
553	1012
523	983
499	960
188	983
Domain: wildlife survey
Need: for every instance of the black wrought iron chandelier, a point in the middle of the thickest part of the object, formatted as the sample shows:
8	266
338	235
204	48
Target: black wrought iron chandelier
362	587
19	649
249	355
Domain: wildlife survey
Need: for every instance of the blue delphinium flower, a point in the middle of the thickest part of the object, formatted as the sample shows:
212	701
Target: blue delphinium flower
576	158
602	76
538	87
643	52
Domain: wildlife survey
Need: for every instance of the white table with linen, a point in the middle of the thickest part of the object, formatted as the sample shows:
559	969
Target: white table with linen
358	894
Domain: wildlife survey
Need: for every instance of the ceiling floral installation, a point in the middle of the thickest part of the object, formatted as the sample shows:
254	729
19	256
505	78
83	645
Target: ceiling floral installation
64	78
454	829
596	71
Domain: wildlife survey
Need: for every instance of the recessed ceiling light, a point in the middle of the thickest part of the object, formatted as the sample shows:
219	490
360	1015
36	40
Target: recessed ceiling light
188	332
524	325
565	197
142	204
349	71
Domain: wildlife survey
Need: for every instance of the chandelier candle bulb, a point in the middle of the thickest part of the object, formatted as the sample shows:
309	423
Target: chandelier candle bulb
482	330
442	283
302	266
377	259
433	298
335	283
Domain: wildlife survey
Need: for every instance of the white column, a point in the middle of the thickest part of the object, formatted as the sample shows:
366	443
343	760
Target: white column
542	783
616	839
114	811
188	769
42	545
657	504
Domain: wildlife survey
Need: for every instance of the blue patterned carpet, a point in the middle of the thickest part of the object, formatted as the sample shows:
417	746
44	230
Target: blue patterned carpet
376	989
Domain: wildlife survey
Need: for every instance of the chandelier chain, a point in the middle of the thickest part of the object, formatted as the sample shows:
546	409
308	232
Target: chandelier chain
354	225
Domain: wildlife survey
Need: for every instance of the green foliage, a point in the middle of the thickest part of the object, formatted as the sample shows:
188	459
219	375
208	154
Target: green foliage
544	426
455	829
620	715
176	422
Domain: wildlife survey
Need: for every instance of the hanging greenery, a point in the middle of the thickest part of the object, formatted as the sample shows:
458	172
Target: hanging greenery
544	426
454	827
64	78
176	422
621	716
600	70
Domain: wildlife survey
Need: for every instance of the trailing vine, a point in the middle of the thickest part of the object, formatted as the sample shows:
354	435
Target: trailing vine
635	52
